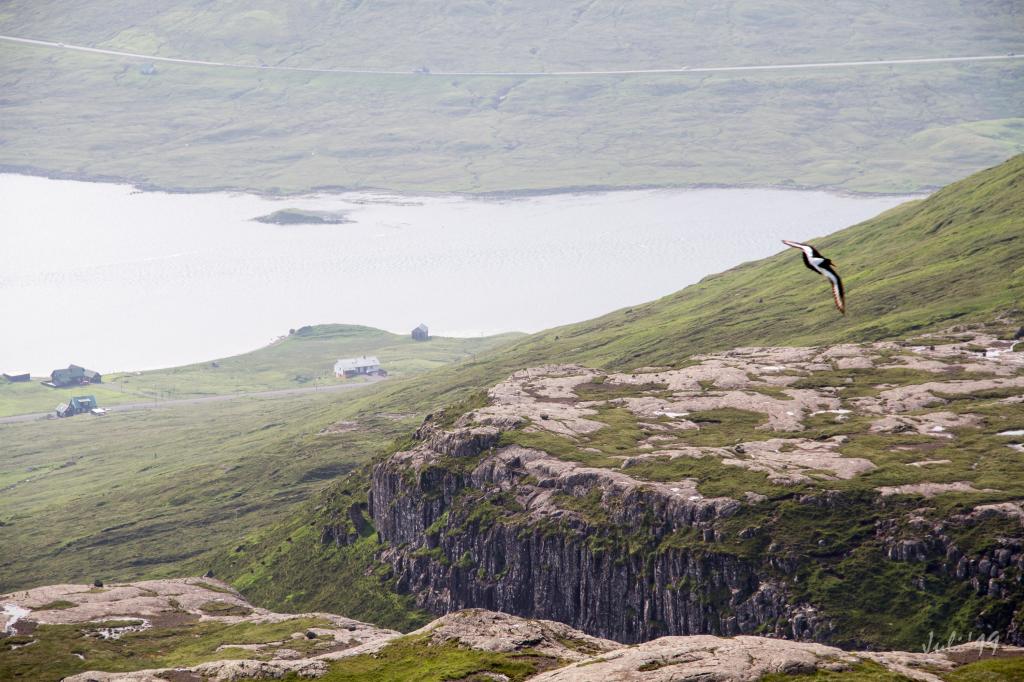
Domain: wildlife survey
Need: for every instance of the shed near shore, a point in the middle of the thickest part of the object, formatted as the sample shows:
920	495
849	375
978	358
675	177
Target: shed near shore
351	367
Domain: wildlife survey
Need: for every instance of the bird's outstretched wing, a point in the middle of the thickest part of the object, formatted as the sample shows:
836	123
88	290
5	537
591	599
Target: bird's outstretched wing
806	248
837	288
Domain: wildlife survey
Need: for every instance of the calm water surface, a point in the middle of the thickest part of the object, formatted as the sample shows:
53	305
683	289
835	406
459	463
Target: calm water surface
112	278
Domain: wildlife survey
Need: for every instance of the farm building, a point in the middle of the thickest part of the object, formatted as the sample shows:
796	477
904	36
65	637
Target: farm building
73	376
80	404
421	333
17	377
350	367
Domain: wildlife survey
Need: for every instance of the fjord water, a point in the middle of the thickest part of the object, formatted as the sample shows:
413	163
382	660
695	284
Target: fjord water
113	278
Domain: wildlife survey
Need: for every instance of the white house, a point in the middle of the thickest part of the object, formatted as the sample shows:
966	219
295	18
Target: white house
350	367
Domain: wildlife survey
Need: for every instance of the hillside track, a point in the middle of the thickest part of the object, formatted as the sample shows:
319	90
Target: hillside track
512	74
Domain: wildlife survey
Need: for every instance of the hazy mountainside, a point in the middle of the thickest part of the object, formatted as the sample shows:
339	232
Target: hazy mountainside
200	630
500	36
954	258
891	129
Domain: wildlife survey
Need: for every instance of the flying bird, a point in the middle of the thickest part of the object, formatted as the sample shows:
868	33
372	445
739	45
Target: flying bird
823	266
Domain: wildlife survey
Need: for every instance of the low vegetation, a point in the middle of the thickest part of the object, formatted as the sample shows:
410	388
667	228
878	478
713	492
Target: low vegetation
57	651
416	659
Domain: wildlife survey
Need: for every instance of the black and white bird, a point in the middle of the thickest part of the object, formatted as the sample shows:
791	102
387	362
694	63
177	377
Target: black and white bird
823	266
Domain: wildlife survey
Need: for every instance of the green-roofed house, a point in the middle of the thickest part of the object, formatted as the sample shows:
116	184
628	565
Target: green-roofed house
80	404
73	376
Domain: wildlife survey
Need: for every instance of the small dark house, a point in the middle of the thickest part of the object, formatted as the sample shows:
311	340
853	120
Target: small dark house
421	333
17	377
80	404
74	376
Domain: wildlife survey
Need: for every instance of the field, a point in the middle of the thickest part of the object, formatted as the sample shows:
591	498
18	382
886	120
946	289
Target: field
870	129
301	360
151	492
138	493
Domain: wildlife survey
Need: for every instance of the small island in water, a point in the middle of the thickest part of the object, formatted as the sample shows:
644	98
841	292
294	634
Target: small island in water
297	216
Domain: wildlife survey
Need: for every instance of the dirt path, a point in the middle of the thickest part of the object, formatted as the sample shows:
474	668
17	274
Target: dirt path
511	74
154	404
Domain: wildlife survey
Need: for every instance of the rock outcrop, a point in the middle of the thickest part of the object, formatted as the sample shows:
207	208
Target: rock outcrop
171	605
558	498
556	651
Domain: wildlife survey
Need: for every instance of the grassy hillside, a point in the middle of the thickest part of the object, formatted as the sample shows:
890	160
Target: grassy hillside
893	129
301	360
148	493
166	493
956	256
153	492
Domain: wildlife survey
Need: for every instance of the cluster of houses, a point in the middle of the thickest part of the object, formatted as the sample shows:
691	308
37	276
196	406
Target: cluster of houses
369	365
73	376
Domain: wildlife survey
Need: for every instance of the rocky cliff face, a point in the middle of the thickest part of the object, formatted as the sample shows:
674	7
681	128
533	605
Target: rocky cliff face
719	498
513	551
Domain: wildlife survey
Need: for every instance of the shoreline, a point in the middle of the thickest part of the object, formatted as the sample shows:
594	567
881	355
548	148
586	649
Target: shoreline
327	258
488	195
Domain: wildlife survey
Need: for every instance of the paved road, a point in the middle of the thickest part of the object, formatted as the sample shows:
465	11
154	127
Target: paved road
514	74
154	404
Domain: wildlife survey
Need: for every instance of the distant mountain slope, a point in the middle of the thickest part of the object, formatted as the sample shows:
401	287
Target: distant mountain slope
875	128
516	36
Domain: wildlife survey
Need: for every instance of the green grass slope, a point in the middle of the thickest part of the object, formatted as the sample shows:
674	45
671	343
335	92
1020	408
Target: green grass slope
154	492
957	256
304	359
891	129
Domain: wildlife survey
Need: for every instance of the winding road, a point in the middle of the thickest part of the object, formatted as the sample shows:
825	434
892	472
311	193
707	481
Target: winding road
511	74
